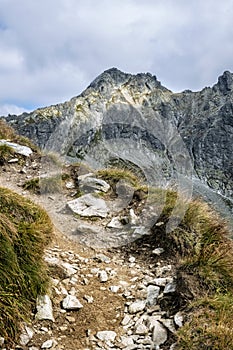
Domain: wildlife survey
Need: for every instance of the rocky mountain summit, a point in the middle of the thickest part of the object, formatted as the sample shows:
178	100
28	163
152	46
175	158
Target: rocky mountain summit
120	106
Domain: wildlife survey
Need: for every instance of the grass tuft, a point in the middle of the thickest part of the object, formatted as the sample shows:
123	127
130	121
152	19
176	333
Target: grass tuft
25	230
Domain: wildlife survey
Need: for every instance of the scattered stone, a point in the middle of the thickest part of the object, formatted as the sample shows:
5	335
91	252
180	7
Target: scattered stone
71	303
159	335
158	251
44	308
71	319
48	344
69	269
103	258
13	160
169	324
152	294
126	320
70	185
170	288
44	329
26	335
103	276
137	306
89	205
89	299
114	289
132	259
106	335
126	341
141	329
88	182
179	319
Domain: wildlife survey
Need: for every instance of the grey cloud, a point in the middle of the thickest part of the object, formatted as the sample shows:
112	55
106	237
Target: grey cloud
50	50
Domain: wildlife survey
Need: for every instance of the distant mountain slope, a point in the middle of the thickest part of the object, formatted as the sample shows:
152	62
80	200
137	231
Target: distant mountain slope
120	105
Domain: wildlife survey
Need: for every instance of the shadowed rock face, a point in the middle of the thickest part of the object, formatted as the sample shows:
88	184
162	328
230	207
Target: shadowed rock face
128	106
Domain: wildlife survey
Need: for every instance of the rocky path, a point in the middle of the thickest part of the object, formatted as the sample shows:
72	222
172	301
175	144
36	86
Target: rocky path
115	298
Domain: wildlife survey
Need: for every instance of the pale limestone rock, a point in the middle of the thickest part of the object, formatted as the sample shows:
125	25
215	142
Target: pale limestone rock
23	150
71	303
159	335
141	329
179	319
26	335
106	335
88	206
152	294
90	182
48	344
44	308
137	306
103	276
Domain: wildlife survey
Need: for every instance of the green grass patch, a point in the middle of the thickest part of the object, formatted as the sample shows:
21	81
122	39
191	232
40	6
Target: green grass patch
210	325
25	230
6	152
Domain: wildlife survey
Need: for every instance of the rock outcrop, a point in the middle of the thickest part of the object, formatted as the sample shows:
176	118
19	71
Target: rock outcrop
137	107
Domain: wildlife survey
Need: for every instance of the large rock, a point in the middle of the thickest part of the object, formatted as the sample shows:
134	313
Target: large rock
23	150
88	182
88	206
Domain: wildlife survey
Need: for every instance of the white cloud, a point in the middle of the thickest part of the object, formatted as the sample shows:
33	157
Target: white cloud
6	109
50	50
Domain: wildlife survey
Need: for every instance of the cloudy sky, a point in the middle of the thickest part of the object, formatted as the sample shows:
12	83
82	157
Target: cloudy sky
50	50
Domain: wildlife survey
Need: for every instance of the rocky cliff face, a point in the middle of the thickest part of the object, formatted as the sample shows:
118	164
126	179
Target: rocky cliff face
181	128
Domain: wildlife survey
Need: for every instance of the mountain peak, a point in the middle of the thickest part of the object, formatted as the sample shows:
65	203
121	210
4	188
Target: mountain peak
225	82
115	77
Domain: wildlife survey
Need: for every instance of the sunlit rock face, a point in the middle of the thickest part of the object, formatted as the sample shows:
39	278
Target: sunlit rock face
136	108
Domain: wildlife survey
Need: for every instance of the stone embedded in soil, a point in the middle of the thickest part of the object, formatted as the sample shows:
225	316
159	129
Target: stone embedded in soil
44	308
126	320
48	344
179	319
87	182
169	324
106	335
103	276
159	335
170	288
26	335
102	258
71	303
137	306
23	150
158	251
141	329
152	295
88	206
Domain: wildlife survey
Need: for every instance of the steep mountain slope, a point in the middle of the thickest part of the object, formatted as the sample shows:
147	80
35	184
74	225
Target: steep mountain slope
119	106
